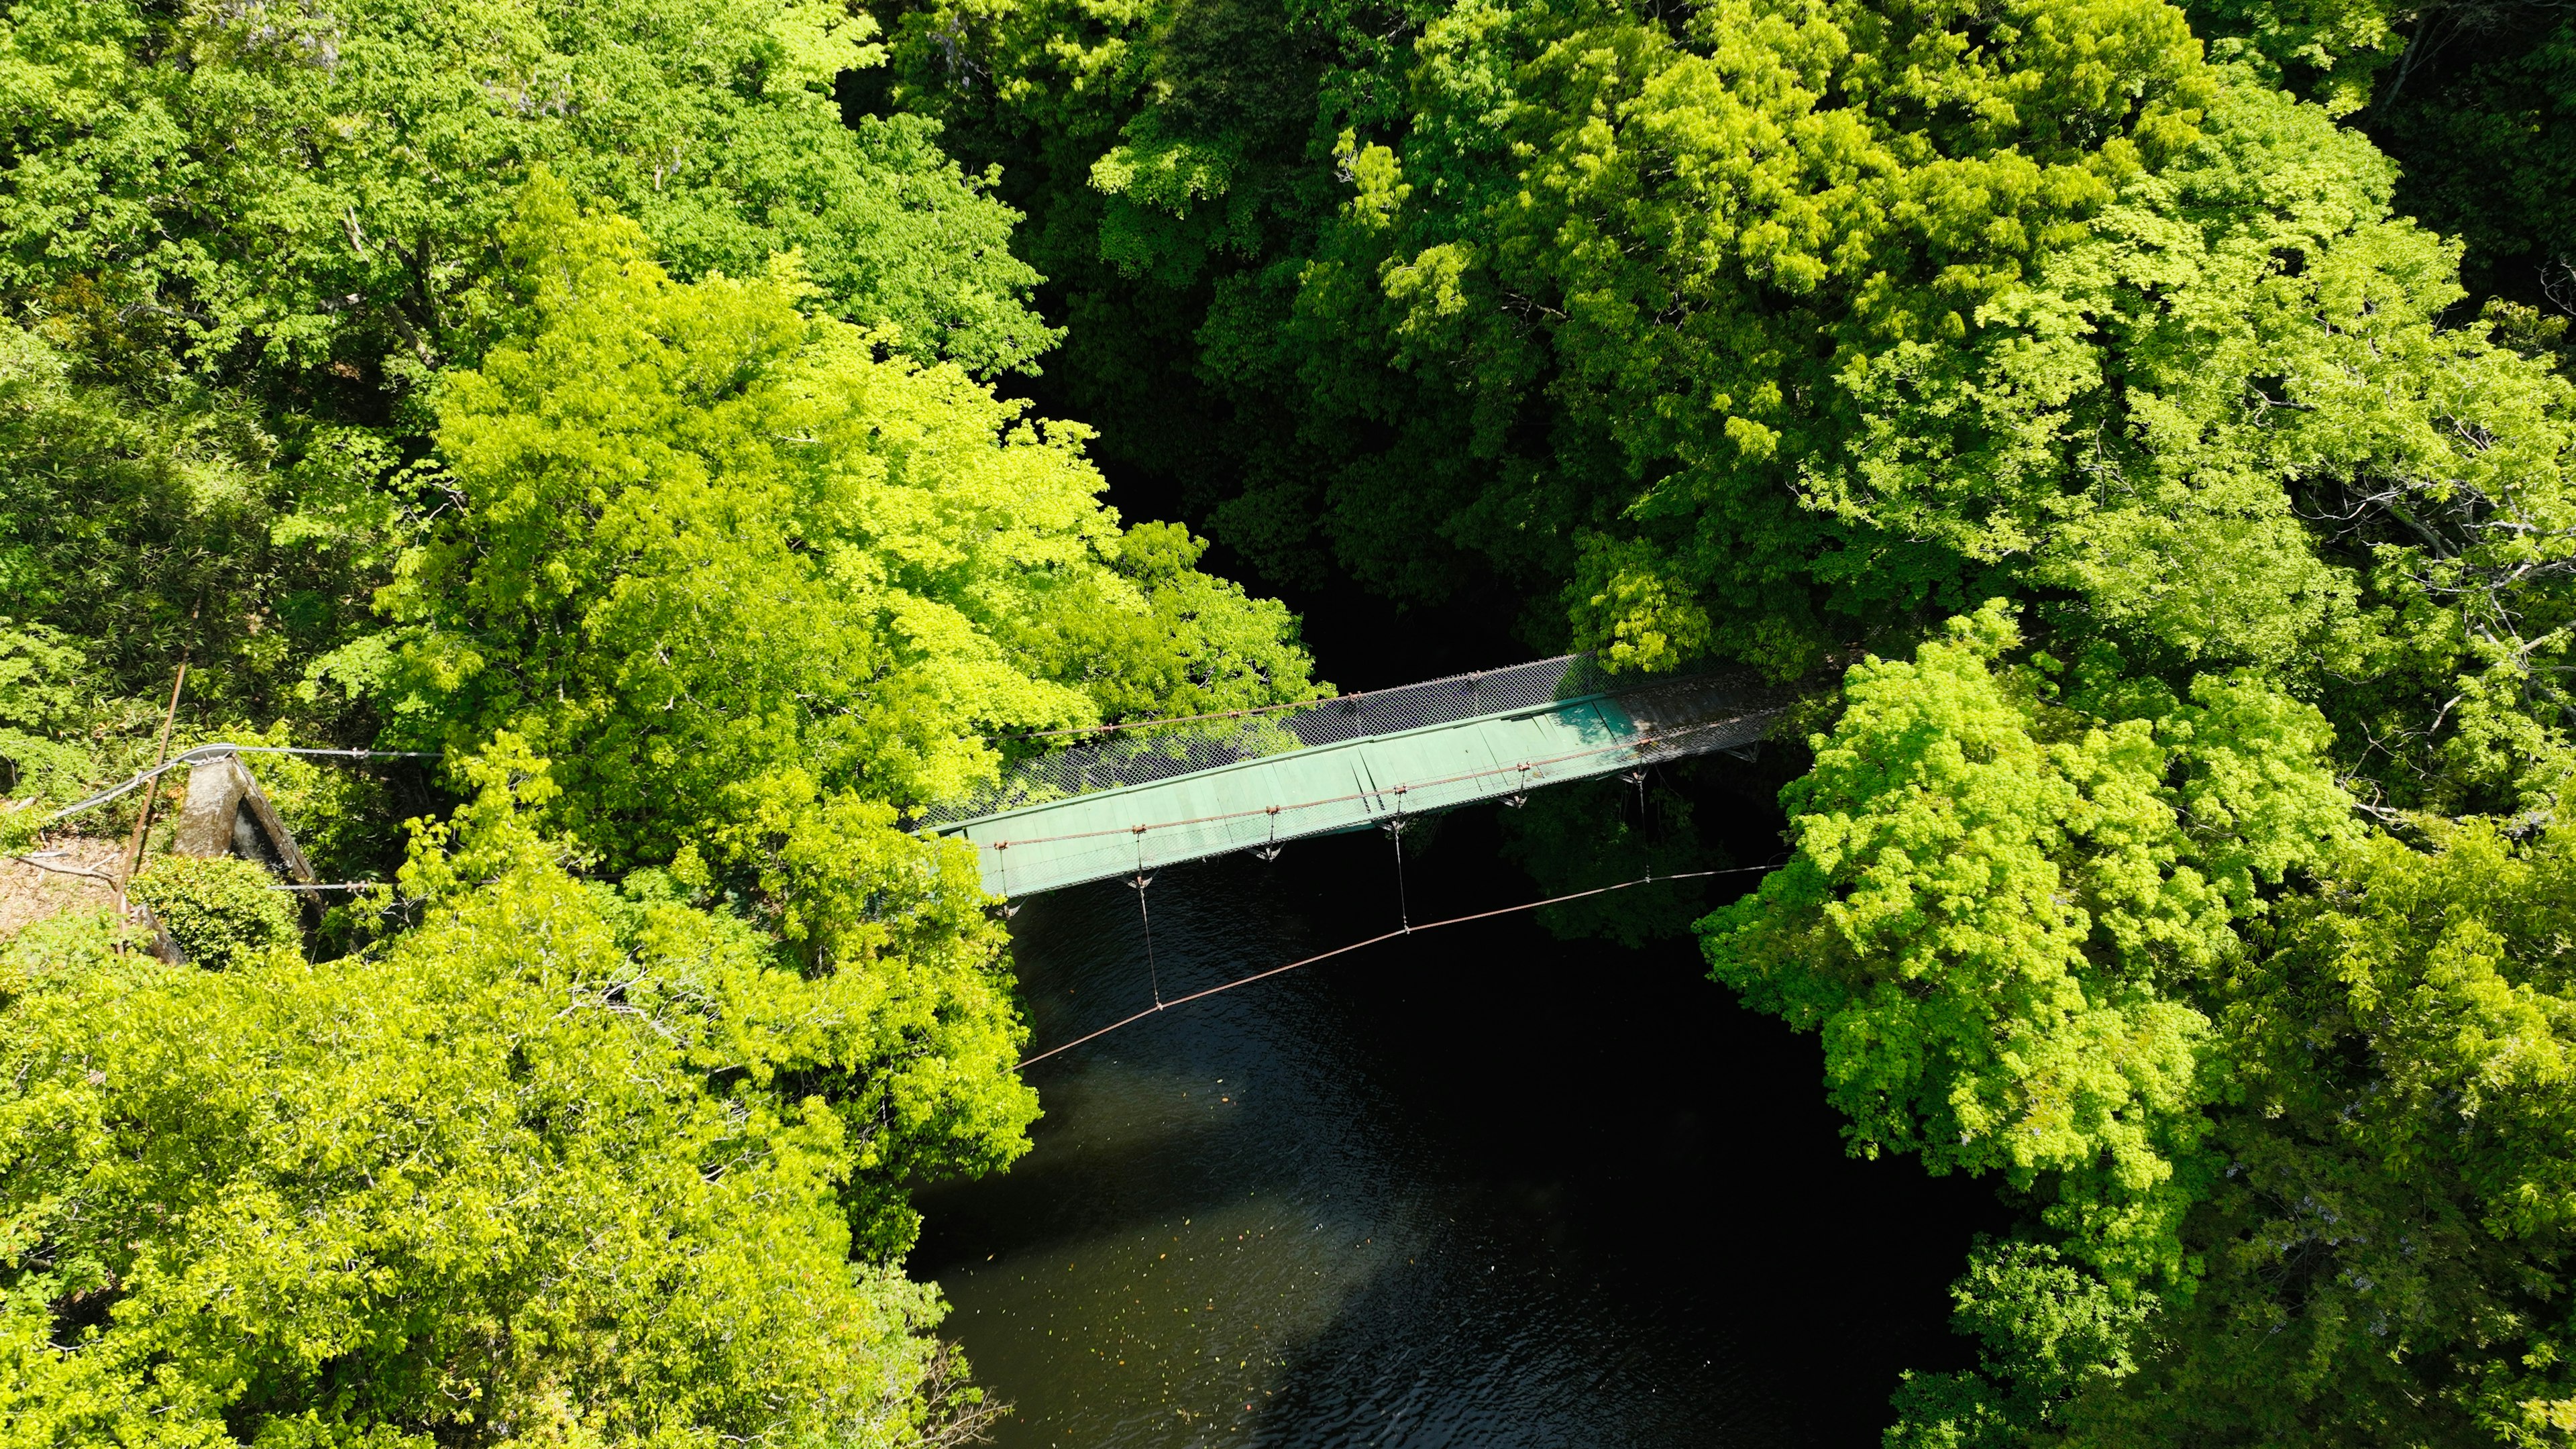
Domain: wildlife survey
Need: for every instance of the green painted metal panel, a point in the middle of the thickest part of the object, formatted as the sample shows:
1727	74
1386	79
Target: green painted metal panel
1351	784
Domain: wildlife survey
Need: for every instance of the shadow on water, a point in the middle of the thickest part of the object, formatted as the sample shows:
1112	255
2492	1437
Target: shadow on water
1476	1186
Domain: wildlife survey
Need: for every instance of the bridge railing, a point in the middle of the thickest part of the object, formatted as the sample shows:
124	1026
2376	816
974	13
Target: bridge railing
1115	756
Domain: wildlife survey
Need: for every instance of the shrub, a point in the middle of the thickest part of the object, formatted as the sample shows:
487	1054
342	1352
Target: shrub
222	912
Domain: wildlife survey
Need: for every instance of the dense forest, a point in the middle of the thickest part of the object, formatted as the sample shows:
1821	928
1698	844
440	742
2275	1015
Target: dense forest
2140	433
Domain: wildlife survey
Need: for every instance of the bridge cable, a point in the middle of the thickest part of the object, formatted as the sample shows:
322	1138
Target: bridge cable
1002	852
1142	880
1403	907
1161	1005
1637	777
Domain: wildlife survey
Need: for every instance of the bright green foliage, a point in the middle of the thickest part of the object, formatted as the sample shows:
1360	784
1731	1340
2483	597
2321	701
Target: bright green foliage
1150	635
1997	908
558	1168
2302	1094
1683	250
755	584
225	913
916	1035
42	709
1588	245
2428	464
2384	1253
2047	1328
314	191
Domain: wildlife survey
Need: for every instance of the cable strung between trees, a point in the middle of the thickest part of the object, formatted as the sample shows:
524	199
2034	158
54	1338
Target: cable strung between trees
208	754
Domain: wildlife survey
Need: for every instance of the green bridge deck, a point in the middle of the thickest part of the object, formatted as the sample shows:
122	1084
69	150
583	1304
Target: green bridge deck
1350	784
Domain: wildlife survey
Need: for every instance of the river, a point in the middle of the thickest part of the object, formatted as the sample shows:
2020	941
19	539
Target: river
1472	1187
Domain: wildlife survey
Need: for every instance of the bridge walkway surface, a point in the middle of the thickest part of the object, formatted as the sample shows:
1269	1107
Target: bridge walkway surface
1187	790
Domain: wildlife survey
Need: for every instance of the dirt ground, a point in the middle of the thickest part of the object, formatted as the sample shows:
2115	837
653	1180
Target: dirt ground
70	871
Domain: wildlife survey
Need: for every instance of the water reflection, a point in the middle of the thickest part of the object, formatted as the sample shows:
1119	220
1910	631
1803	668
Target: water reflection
1473	1187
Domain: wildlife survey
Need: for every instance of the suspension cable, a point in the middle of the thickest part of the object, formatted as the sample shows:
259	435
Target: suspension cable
1161	1005
1152	974
1646	845
207	754
1403	906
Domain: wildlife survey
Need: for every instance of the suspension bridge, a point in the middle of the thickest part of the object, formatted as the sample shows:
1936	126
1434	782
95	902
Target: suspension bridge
1126	800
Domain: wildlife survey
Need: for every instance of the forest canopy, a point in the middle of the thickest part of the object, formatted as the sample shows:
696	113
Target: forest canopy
2138	432
2145	428
572	395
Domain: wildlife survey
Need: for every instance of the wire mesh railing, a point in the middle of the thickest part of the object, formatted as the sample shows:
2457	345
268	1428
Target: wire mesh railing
1116	756
1262	804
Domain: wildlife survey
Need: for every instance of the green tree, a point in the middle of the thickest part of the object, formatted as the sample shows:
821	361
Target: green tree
562	1166
2047	1332
2329	51
313	192
43	707
239	243
759	585
224	913
1999	903
2385	1252
2287	1100
162	522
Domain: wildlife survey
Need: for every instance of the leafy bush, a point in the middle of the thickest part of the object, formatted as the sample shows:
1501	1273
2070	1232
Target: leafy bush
223	913
40	704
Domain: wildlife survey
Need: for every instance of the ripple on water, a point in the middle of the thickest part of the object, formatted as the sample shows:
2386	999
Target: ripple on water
1421	1196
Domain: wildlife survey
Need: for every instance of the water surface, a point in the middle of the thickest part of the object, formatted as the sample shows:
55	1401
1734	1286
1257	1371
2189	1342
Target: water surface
1474	1187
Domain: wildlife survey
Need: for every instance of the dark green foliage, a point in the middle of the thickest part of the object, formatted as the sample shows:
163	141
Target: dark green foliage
2475	98
2334	52
2484	120
164	521
309	197
224	912
2046	1331
1577	837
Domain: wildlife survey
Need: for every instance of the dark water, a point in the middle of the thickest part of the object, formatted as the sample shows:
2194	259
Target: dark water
1473	1187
